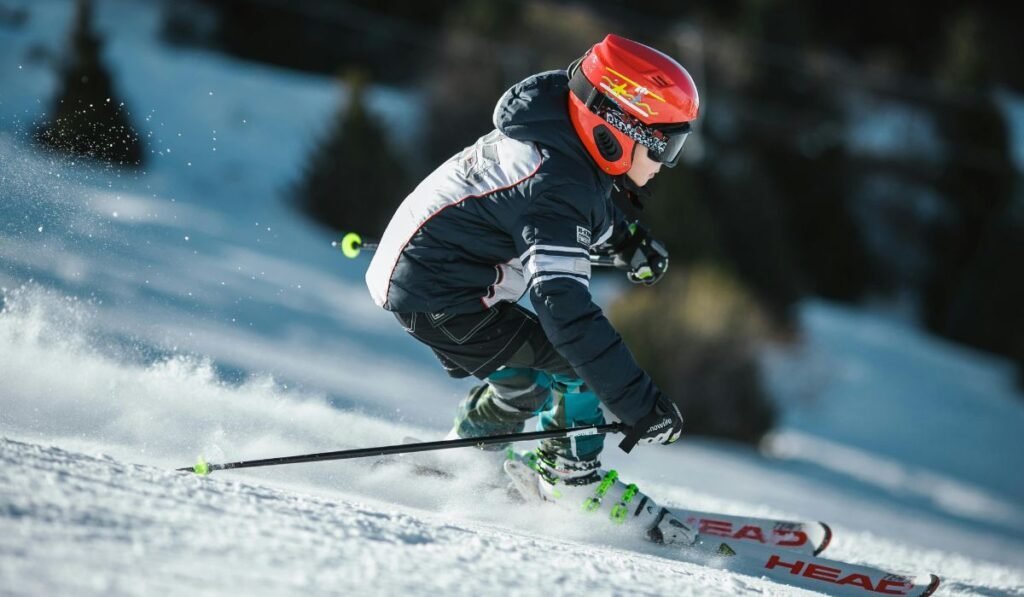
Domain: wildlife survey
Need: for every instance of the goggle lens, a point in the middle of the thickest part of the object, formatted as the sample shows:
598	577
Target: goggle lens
675	139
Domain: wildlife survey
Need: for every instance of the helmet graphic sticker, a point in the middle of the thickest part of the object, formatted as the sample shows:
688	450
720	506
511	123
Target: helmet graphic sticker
618	87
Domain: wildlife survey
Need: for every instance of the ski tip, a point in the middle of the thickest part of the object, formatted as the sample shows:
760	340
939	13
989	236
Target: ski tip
932	586
825	540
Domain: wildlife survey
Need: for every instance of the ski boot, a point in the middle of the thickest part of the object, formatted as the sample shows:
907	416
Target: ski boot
584	486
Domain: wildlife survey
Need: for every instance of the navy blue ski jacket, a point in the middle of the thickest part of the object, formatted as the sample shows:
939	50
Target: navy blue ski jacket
518	211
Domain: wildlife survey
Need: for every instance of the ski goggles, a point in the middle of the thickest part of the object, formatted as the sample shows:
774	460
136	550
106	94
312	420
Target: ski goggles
664	143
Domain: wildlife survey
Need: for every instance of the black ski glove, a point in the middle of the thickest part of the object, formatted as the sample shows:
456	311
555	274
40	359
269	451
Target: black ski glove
645	259
663	425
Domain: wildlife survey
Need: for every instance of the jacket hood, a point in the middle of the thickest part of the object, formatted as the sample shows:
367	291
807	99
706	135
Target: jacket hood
536	110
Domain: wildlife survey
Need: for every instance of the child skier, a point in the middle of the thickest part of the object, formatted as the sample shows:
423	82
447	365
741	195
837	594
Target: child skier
522	210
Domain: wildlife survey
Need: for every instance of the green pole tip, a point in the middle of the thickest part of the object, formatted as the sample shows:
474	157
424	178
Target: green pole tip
201	467
350	244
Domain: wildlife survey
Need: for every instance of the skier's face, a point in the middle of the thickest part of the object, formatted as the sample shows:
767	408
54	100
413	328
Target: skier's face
643	168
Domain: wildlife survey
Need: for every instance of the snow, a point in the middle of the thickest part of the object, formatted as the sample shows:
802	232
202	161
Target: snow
895	391
152	318
157	532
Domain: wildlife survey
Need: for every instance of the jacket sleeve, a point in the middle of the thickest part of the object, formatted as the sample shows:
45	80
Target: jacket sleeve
618	233
553	240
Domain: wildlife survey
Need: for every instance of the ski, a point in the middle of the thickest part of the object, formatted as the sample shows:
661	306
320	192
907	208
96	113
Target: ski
814	573
782	551
804	537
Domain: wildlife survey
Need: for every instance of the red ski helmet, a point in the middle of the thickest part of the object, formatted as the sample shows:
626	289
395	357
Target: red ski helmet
623	93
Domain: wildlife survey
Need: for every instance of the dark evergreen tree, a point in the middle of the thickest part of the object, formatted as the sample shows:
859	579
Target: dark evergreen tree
987	309
794	163
486	47
88	119
354	180
977	184
470	70
757	235
976	290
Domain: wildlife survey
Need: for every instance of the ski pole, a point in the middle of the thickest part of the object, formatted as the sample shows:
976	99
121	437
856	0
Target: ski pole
204	468
352	244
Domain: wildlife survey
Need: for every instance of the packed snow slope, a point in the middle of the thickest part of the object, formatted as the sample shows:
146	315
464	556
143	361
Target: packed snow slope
152	317
161	533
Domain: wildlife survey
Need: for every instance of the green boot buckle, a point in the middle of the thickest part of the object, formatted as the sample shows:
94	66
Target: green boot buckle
621	511
593	503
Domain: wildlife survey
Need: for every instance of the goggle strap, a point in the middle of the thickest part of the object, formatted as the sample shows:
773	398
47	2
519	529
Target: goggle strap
580	86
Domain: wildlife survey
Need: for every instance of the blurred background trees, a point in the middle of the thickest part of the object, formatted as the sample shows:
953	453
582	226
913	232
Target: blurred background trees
854	152
88	119
354	176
